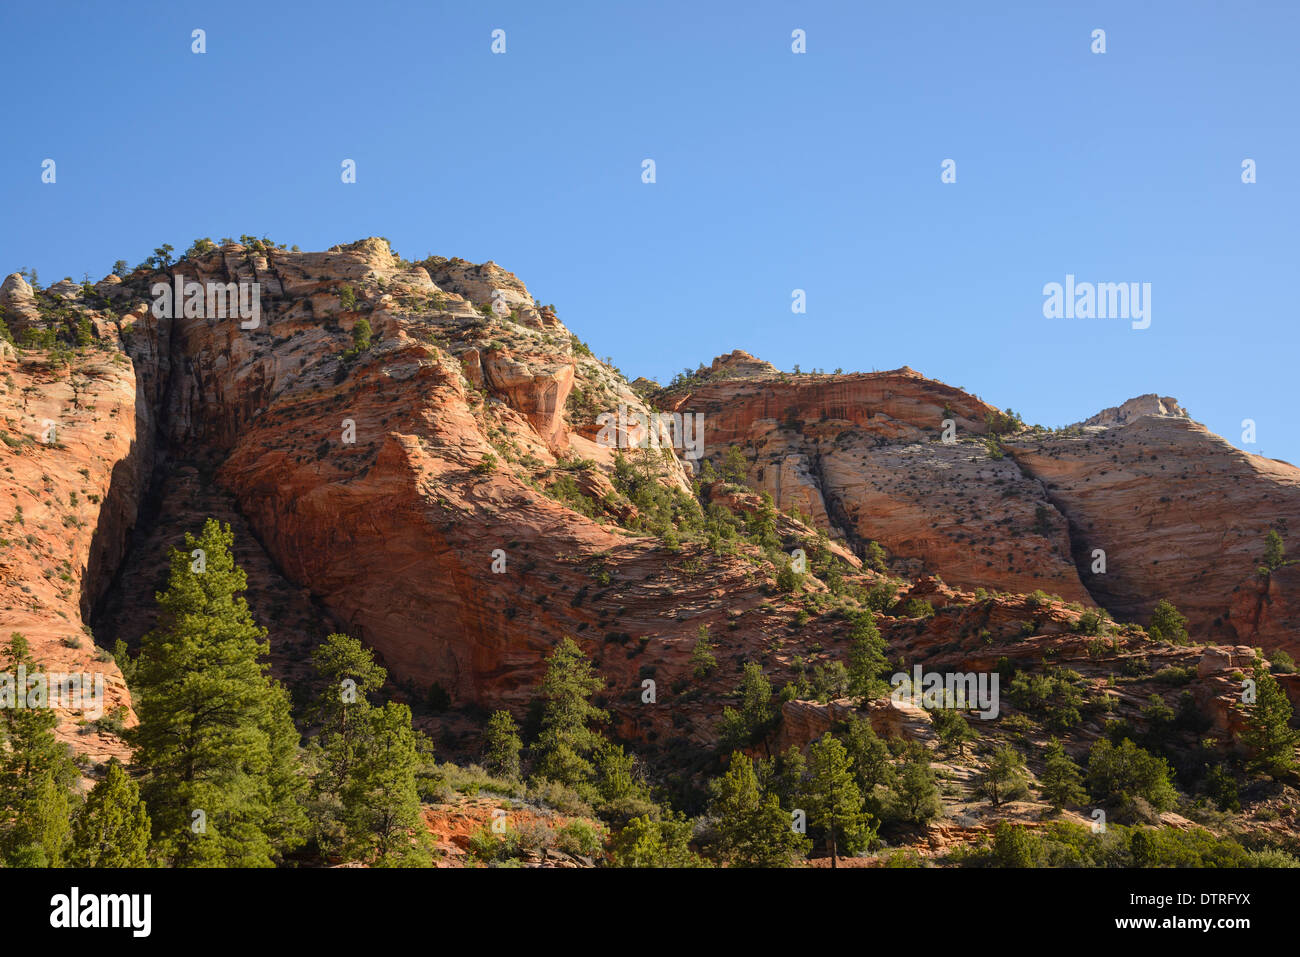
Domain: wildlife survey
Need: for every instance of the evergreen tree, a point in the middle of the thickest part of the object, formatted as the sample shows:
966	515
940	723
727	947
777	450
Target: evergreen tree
381	807
1121	773
866	658
833	799
1268	736
1062	781
364	796
501	746
1005	778
702	660
1274	551
567	714
215	742
953	729
918	798
783	776
1013	846
872	764
646	842
755	831
112	827
1167	624
751	723
348	673
37	773
876	558
1222	788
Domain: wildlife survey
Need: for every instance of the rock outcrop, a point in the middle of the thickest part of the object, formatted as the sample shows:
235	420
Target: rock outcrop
443	493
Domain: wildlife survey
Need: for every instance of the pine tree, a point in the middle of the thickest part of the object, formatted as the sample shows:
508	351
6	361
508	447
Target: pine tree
1167	624
834	801
1120	773
755	717
784	776
501	746
348	673
1005	778
567	738
876	558
953	729
364	796
37	773
702	660
872	764
866	659
755	831
381	806
918	798
1062	780
1274	551
215	742
112	827
1013	846
646	842
1268	736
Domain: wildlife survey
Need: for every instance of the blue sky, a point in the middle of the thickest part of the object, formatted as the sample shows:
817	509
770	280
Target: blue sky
775	171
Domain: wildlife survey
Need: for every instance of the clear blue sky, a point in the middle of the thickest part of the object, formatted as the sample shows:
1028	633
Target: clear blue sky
775	171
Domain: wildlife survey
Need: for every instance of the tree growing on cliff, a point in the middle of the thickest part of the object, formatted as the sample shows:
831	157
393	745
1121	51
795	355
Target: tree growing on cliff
112	827
360	339
566	737
1268	736
1274	551
215	742
754	830
1167	624
876	558
703	663
36	773
866	658
751	723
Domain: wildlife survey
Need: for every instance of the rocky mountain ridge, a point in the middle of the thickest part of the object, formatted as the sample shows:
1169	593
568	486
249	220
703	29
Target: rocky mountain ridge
381	474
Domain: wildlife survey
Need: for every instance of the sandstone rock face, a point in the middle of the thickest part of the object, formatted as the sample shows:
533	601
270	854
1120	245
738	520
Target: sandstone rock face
373	490
803	722
1219	660
1263	610
18	305
863	456
1180	514
1135	408
75	463
367	483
